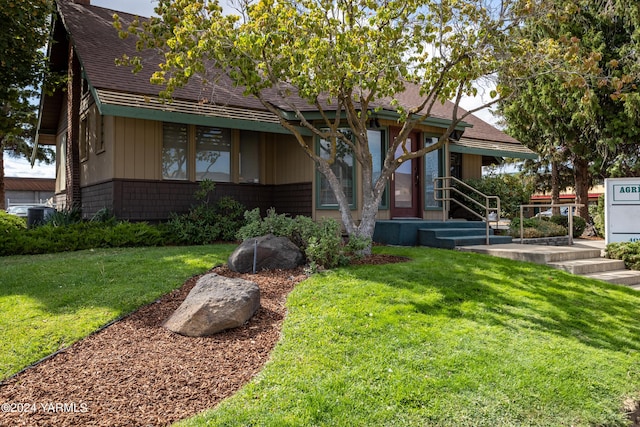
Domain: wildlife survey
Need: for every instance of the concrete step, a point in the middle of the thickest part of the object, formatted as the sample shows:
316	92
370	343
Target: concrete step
572	254
584	258
536	254
589	265
456	241
620	277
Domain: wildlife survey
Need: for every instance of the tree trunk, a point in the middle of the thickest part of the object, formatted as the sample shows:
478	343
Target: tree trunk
582	181
369	212
343	203
2	193
555	187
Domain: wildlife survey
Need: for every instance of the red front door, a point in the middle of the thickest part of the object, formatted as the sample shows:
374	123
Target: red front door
405	184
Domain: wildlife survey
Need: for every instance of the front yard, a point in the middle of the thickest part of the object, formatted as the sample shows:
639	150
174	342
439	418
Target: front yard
50	301
448	338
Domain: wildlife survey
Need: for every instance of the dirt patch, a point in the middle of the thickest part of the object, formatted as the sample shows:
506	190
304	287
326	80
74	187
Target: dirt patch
377	259
631	407
137	373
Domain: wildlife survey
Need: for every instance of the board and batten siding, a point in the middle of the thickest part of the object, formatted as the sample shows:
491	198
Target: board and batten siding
96	166
133	150
471	166
130	150
137	148
288	164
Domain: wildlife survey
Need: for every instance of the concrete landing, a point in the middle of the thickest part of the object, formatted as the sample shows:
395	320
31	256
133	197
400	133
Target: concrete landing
584	258
539	254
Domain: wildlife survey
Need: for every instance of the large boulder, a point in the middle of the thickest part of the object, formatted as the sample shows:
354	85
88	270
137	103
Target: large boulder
271	253
214	304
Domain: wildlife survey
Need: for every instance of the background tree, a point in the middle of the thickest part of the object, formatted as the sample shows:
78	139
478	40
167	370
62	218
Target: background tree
588	121
17	131
22	70
346	58
618	95
545	115
512	189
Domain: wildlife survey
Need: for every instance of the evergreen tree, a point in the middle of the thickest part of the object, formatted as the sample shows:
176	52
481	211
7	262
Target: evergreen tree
22	70
584	115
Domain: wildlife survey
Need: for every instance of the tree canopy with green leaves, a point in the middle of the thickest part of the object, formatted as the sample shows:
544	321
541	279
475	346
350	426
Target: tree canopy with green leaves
586	120
24	35
22	69
347	59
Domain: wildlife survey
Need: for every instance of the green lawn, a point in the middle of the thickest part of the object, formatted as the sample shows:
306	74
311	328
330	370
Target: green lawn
49	301
449	339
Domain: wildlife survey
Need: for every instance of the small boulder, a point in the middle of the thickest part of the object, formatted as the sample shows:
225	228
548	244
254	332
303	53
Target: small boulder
214	304
590	231
271	253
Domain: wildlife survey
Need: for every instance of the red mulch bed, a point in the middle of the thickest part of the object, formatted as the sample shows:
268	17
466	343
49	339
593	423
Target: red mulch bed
137	373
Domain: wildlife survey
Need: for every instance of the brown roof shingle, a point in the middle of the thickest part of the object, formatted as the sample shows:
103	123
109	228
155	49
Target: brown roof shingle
29	184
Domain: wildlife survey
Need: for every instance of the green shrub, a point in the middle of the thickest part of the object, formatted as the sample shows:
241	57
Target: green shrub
10	222
64	217
356	246
127	234
85	235
597	215
536	227
326	249
629	252
47	239
579	224
207	223
272	223
321	241
299	229
230	217
512	190
104	216
197	227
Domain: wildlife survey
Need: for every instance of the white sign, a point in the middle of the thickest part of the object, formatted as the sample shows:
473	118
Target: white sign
622	210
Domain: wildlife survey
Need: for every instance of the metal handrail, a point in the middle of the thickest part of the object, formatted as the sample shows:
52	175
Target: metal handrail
570	212
445	191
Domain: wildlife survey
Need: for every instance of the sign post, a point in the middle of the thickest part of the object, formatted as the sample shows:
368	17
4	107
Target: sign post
622	210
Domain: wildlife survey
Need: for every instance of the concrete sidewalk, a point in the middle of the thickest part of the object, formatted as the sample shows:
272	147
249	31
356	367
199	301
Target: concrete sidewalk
585	258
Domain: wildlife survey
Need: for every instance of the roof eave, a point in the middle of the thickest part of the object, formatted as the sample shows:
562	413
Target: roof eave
383	114
498	149
138	106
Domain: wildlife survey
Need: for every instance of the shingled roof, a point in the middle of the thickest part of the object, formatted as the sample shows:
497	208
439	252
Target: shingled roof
98	44
484	139
29	184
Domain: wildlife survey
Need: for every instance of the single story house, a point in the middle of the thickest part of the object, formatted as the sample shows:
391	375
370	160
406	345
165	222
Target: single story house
567	196
119	147
28	191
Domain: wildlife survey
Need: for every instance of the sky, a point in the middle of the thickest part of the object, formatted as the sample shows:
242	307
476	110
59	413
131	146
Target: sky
22	168
136	7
